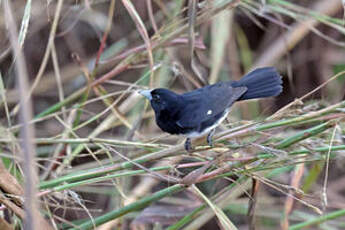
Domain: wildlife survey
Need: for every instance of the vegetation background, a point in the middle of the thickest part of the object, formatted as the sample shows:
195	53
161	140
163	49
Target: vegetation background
79	144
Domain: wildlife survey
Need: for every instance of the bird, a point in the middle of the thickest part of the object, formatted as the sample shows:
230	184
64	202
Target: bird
198	112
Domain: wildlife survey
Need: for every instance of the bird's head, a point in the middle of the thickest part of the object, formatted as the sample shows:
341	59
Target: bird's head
161	99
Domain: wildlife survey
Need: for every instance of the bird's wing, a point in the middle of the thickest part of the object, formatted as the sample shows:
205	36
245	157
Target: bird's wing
208	102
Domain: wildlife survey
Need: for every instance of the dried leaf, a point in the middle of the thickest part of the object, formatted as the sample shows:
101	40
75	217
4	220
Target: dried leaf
9	183
4	225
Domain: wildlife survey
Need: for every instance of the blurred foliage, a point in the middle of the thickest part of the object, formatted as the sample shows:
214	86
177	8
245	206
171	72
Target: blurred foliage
102	159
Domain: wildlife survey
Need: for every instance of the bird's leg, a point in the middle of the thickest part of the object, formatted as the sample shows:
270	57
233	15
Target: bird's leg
209	137
188	145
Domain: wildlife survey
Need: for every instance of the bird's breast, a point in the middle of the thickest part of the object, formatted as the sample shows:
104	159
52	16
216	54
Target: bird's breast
167	121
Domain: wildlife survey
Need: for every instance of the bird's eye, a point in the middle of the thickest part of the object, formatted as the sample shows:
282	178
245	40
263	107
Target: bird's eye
156	97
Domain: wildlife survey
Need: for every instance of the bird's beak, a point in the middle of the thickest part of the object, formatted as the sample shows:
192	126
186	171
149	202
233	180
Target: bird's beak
146	93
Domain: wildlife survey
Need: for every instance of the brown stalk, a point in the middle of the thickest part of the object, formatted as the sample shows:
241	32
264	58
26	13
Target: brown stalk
195	64
143	32
47	52
33	219
27	132
297	32
105	35
252	203
151	16
288	206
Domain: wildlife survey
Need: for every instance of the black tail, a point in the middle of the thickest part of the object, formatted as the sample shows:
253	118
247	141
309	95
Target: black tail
261	82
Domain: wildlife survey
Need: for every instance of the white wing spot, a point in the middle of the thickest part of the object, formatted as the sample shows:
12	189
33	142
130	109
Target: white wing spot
209	112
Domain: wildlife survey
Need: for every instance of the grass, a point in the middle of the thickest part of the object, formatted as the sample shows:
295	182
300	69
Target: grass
101	159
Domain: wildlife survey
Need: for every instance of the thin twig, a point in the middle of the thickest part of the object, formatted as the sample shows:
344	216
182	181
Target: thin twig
324	188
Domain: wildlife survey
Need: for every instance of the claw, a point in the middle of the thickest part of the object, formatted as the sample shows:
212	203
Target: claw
209	138
188	145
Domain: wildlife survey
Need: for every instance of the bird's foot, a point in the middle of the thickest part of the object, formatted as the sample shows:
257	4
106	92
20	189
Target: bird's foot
188	145
209	138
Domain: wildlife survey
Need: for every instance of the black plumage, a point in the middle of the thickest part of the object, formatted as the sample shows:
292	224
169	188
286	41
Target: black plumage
198	112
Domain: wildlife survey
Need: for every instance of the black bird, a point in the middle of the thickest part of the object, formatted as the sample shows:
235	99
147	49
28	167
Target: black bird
199	112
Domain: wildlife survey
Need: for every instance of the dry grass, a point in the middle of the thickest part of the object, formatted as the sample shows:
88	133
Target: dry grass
100	157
